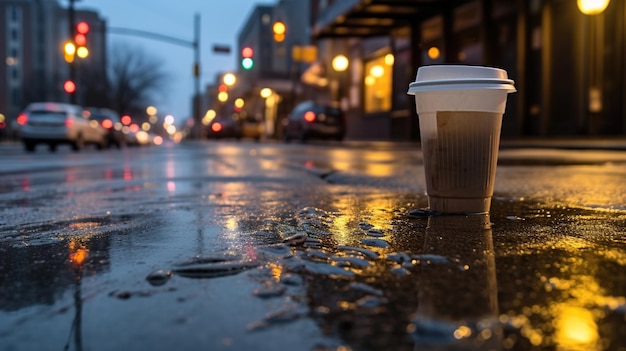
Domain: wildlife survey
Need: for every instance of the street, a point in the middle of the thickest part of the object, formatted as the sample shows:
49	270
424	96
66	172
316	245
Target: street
209	245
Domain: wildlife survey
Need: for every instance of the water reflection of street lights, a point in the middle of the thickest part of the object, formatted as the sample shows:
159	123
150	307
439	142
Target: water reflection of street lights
593	63
468	318
340	64
78	253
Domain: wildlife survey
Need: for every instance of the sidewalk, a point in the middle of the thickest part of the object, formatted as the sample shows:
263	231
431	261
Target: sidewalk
571	143
617	143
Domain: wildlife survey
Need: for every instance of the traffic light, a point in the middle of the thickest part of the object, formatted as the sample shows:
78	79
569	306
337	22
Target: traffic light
222	93
69	86
247	58
279	30
69	51
80	39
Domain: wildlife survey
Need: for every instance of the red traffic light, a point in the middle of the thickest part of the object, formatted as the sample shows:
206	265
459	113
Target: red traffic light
82	27
247	52
69	87
80	39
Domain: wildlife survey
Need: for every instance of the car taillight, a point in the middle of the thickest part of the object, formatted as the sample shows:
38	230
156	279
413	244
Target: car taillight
107	124
216	127
309	116
68	122
22	119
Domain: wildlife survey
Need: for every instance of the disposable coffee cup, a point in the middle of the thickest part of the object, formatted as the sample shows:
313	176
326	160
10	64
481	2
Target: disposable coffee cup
460	112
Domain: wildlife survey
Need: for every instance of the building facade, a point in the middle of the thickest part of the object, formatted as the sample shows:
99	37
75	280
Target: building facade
568	66
272	86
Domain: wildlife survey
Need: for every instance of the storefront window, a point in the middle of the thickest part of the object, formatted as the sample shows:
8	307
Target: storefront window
378	76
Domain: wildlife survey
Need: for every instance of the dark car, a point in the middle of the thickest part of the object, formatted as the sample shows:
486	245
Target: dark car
310	120
224	127
109	120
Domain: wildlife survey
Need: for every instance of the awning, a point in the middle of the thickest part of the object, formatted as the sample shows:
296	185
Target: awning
368	18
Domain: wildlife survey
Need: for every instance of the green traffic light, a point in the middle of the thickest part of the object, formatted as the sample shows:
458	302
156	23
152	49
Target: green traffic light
247	63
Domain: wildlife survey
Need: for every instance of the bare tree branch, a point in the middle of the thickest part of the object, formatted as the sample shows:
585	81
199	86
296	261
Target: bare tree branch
134	77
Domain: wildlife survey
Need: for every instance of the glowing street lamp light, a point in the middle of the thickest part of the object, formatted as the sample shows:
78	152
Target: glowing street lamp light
229	79
239	102
340	63
266	92
169	119
592	7
222	96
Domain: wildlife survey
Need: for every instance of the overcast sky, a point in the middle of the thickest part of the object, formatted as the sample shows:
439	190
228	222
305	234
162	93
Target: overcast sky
220	23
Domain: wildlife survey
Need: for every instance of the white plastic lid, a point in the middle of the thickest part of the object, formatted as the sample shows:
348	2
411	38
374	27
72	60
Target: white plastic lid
454	77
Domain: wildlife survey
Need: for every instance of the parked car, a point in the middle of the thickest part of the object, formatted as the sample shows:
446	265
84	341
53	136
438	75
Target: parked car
224	127
109	120
310	120
55	123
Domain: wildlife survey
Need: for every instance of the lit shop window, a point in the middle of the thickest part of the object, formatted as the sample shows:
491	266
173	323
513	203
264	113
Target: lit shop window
378	73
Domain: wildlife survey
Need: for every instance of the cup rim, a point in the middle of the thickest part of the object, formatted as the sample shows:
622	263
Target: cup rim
455	84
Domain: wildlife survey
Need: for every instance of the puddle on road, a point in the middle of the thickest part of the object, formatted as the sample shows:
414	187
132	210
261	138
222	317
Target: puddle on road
525	277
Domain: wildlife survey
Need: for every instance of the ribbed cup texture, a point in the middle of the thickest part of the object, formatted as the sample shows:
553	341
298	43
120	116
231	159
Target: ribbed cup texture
460	157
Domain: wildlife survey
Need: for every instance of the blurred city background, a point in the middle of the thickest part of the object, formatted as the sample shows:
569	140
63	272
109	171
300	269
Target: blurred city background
567	58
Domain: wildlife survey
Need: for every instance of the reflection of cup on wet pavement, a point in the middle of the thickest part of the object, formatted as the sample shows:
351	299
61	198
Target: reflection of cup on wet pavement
458	295
460	112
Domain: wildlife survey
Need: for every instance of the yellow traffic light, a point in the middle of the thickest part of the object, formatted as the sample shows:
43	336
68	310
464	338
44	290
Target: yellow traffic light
69	48
279	27
279	30
82	52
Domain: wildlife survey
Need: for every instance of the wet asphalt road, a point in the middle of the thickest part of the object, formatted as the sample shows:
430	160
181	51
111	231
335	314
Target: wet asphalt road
266	246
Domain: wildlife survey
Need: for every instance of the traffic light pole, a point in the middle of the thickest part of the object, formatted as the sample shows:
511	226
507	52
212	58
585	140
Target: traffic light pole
72	64
195	45
196	75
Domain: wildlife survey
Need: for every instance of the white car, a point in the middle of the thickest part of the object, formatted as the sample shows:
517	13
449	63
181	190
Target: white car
55	123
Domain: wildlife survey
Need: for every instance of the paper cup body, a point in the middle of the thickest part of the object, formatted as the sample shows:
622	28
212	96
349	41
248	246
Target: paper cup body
460	112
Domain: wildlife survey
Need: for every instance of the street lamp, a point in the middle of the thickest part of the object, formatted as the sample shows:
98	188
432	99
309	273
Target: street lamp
340	64
266	92
593	7
594	76
229	79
